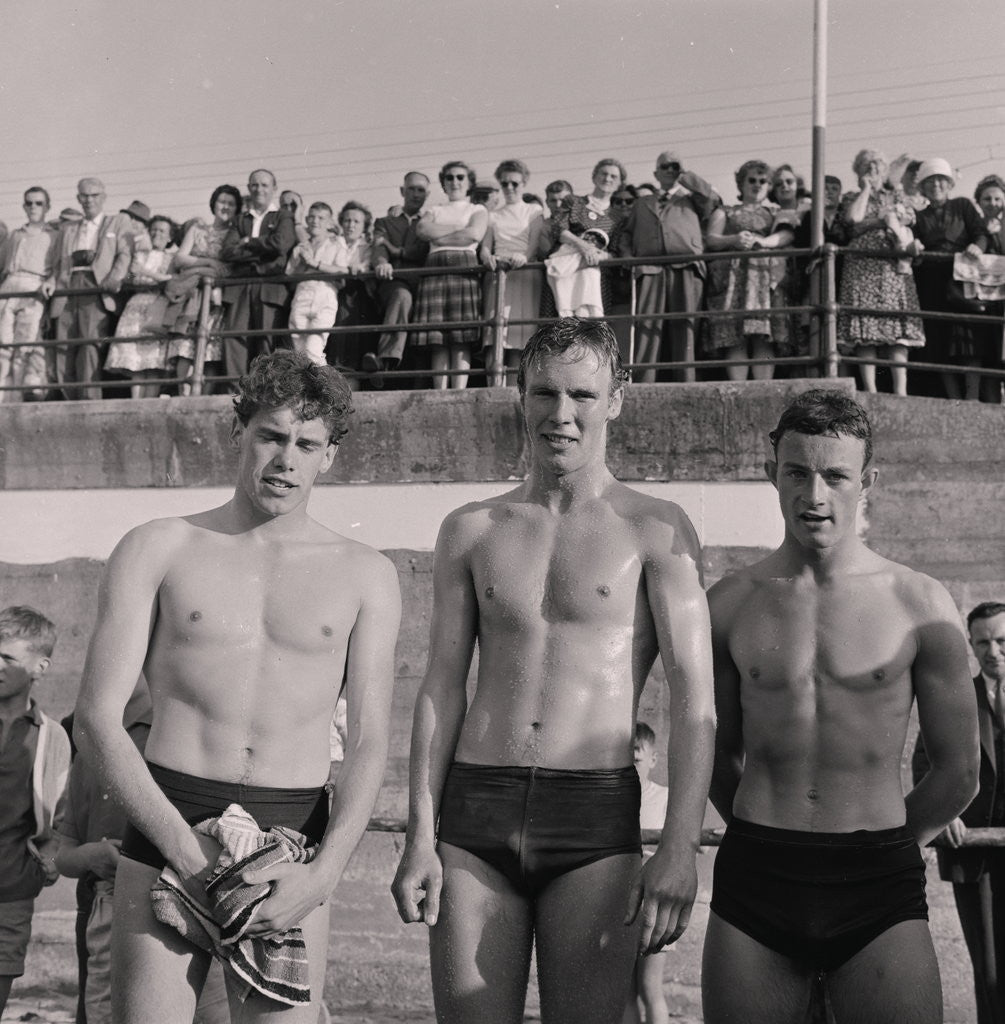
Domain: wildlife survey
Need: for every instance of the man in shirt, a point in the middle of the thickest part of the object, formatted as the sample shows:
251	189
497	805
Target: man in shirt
94	252
668	224
978	873
397	247
27	264
258	244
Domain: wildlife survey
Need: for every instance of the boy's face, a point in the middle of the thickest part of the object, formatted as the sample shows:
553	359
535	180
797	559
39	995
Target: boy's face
319	222
645	758
20	666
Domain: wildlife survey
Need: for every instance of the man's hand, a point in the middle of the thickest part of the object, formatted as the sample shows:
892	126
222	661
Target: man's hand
197	865
417	884
664	891
297	889
954	832
384	271
103	858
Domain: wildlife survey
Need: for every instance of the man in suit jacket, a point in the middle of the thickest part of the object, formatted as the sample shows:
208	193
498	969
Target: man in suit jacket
396	246
94	252
978	873
670	223
257	245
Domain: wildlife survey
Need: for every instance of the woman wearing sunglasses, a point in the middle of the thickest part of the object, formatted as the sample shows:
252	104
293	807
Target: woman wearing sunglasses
454	230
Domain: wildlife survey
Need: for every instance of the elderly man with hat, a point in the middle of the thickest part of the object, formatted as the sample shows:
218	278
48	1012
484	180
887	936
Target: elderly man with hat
670	223
948	226
92	253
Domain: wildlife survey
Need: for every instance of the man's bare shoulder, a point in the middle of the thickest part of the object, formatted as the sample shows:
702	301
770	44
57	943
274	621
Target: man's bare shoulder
925	599
663	524
734	590
467	522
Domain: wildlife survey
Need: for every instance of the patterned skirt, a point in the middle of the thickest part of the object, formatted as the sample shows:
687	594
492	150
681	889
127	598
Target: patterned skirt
448	297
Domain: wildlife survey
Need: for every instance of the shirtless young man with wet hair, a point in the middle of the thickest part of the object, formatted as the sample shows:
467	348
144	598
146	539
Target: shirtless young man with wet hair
820	651
244	619
524	812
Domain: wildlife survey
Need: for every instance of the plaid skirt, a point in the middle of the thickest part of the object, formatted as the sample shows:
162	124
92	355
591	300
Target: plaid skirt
448	297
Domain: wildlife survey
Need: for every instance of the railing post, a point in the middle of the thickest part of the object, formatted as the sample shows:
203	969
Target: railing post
632	324
201	337
828	306
498	330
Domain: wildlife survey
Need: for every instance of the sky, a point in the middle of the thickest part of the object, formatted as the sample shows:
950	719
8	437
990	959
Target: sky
165	101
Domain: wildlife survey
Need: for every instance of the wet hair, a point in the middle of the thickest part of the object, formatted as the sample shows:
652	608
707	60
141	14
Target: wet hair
19	622
513	167
38	188
226	190
353	204
645	734
609	161
989	181
457	163
822	411
571	332
745	168
286	379
985	610
555	187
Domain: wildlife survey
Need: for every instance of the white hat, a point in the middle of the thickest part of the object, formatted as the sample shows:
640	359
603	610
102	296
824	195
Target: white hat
932	167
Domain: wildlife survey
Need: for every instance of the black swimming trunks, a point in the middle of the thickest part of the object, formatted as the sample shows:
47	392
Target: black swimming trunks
534	824
305	810
817	897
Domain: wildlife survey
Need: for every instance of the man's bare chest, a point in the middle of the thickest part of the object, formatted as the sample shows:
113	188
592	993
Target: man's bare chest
787	640
574	576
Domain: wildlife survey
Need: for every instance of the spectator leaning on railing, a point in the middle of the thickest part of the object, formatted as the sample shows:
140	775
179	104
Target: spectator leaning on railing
27	264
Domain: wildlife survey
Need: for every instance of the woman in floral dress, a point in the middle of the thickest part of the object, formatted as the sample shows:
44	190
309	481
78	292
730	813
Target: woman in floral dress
748	284
878	218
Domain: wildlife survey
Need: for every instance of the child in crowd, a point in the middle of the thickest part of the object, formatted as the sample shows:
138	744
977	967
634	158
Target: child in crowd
574	281
34	762
647	984
315	303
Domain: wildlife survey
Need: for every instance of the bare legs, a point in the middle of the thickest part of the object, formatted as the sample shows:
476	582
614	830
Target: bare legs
758	346
456	357
894	978
480	948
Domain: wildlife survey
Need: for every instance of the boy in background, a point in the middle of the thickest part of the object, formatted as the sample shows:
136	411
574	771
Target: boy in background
34	762
315	303
647	984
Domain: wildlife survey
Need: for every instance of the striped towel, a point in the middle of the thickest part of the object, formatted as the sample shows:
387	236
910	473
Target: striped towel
275	967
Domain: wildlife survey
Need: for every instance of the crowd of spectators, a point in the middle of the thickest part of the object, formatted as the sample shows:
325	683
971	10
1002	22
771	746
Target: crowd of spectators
129	283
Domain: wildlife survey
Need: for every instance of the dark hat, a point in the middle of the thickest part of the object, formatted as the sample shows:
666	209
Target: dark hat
485	185
69	214
140	211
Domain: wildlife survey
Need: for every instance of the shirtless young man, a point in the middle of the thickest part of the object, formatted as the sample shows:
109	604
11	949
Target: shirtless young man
820	651
245	619
524	812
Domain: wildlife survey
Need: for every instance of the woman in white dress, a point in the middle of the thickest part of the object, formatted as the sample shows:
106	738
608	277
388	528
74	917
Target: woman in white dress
511	241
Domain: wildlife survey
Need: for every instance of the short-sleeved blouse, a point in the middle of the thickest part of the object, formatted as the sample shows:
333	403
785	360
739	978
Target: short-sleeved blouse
511	226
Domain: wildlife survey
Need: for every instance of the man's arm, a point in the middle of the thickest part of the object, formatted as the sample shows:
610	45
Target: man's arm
439	714
127	611
668	884
723	600
299	889
947	714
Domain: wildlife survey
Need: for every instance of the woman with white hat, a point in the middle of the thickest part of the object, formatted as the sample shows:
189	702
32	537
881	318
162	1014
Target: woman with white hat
948	226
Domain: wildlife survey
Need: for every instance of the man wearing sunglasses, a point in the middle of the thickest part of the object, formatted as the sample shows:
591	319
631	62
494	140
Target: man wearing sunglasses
27	264
670	223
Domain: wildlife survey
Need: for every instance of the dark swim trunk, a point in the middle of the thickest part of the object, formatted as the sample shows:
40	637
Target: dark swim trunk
817	897
305	810
534	824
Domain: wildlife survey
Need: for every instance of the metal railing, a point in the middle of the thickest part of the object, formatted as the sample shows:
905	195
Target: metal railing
818	322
